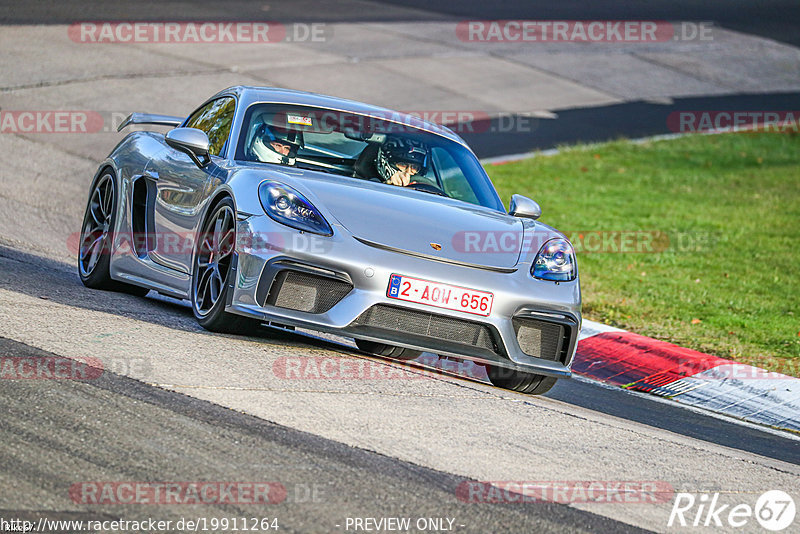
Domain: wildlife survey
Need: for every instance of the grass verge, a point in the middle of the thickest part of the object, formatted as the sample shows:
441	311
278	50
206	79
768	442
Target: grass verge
721	215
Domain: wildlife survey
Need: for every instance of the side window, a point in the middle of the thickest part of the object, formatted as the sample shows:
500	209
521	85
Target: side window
215	118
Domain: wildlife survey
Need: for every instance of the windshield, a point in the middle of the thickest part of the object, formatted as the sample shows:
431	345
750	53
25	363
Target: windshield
380	149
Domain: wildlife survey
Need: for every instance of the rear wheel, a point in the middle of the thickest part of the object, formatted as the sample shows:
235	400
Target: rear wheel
94	252
212	265
390	351
520	381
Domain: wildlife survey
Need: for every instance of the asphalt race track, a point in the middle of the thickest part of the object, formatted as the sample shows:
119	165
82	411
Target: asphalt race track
175	403
325	481
364	444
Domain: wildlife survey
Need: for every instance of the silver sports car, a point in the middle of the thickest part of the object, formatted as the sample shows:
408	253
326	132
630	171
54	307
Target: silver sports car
299	210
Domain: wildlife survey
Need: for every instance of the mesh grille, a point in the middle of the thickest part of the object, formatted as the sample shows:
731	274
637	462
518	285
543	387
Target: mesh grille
306	292
428	325
539	339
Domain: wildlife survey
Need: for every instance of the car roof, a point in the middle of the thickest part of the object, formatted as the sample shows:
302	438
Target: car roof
248	95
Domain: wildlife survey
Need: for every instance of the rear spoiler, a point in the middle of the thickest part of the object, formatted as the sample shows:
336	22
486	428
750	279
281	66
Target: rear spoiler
149	118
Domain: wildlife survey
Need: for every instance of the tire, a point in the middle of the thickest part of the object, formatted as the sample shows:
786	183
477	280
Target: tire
390	351
211	268
520	381
94	250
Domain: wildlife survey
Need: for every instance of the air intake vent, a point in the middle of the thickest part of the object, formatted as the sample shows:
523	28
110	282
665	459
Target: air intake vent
428	325
306	292
540	339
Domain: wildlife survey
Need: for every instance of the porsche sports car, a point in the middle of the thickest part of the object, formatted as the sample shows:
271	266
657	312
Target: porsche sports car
300	210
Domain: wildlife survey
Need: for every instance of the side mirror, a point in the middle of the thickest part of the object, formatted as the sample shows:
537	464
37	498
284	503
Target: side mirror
193	142
524	207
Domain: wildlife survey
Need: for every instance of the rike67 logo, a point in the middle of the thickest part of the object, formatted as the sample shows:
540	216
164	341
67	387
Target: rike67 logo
774	510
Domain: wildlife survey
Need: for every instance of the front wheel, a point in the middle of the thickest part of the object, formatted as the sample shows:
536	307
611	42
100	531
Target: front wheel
212	265
520	381
94	252
390	351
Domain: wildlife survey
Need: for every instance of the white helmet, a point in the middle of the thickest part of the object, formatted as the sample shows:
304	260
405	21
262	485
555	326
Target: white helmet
262	150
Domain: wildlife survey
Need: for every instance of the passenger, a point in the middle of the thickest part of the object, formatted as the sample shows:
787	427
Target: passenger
396	161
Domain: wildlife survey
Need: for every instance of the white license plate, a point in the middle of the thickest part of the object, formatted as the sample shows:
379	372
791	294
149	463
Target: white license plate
440	295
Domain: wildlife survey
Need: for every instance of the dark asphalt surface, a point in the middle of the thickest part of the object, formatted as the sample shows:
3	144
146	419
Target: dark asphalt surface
775	19
514	135
57	433
665	416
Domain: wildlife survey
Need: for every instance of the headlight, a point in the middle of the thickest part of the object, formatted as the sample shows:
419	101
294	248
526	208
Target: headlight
285	205
555	261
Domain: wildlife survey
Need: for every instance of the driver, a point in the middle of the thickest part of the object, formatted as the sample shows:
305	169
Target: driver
273	144
399	159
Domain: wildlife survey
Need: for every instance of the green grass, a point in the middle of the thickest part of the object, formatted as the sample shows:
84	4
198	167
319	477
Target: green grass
726	278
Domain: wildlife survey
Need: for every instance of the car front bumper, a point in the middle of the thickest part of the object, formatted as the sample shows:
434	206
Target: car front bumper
339	285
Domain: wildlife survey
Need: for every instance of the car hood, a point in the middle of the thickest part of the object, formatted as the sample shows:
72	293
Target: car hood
416	222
